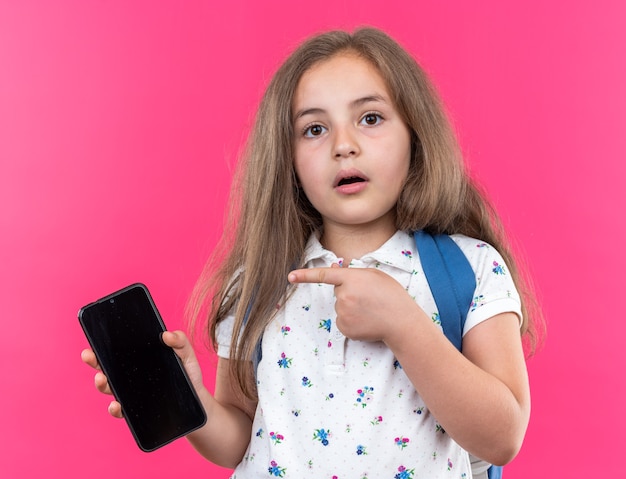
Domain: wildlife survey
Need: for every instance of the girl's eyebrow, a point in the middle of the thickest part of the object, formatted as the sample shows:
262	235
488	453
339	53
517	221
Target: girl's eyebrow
354	103
369	99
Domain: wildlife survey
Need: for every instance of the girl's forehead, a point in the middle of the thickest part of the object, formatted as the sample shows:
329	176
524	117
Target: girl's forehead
343	77
342	67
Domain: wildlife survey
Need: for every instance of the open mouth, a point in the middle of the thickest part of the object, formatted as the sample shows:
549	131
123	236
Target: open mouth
350	180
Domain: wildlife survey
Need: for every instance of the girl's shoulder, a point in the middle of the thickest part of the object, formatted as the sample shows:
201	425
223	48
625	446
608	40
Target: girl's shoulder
477	251
465	242
486	261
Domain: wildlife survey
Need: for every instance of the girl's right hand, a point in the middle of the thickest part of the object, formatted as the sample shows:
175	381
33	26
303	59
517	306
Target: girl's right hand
181	345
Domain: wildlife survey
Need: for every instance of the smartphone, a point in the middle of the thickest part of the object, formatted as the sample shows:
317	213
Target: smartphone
146	377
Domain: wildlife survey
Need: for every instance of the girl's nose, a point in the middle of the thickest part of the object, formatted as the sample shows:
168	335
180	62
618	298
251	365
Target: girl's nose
345	145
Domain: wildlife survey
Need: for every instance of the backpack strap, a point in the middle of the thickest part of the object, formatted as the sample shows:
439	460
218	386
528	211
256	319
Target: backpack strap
258	351
494	472
451	280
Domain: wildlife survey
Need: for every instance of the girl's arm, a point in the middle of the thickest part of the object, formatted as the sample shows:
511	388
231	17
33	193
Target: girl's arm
224	438
481	397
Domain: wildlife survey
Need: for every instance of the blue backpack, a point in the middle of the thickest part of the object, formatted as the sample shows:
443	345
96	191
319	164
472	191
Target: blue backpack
452	283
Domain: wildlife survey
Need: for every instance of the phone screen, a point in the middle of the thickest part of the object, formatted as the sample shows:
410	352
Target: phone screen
146	377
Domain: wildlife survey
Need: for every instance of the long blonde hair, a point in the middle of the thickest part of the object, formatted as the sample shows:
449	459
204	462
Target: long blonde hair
271	218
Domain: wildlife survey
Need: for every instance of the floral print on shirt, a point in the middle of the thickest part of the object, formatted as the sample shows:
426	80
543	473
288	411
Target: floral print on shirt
373	419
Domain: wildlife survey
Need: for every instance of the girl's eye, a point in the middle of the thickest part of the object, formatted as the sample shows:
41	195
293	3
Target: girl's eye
371	119
314	130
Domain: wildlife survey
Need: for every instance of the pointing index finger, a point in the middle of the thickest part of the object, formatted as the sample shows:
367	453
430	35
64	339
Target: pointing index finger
317	275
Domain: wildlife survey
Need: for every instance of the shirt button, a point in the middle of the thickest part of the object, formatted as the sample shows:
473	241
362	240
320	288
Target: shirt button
338	334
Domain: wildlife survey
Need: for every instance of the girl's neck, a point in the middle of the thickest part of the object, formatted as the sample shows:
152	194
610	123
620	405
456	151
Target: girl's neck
352	242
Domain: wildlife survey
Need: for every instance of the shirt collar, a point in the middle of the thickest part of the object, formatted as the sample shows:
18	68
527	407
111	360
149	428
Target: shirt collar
398	251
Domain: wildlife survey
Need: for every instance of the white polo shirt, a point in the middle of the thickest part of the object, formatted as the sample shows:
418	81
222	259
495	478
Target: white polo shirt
332	407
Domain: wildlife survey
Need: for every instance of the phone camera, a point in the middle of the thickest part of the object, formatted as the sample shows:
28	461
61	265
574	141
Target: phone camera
111	301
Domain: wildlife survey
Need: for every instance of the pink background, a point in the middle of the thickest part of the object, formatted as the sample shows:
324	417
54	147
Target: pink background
119	125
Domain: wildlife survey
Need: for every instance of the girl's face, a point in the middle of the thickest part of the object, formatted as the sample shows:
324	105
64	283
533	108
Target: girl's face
352	148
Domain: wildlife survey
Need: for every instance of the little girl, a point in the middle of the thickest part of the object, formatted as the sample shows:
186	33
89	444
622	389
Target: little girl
332	362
